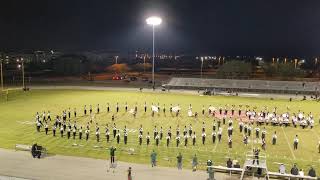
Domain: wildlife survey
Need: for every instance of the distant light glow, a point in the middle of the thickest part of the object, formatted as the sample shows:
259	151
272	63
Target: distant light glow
259	58
154	20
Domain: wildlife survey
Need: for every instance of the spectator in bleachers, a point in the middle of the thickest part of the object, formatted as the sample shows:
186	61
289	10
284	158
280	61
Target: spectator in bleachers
229	163
301	173
282	169
294	170
194	163
312	172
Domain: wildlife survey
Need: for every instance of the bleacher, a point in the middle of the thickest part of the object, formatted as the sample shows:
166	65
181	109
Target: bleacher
245	85
271	175
250	168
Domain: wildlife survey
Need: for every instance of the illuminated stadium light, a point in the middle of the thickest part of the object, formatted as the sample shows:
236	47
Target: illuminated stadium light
154	20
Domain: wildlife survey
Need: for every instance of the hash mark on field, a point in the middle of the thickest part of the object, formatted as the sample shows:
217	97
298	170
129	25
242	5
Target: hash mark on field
285	135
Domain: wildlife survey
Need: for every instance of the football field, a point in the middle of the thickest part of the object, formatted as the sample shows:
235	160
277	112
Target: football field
17	119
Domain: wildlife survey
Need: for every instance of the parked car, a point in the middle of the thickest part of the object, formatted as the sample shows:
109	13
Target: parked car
163	87
145	79
117	77
133	78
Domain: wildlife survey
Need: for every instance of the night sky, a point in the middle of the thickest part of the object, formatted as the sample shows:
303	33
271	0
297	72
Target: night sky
229	27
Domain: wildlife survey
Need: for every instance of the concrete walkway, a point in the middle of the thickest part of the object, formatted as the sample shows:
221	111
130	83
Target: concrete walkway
20	165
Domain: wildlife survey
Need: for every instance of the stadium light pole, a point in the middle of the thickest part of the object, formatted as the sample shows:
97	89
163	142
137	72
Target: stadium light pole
116	57
1	60
22	70
144	64
201	65
153	21
23	85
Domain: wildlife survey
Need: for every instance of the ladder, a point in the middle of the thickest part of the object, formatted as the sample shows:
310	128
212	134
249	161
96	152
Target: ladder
252	162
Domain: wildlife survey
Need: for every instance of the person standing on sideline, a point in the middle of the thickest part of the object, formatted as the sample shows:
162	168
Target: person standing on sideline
194	163
210	170
153	158
112	153
179	161
129	174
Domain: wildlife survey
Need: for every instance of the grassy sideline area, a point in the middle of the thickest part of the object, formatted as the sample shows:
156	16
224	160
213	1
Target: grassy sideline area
18	114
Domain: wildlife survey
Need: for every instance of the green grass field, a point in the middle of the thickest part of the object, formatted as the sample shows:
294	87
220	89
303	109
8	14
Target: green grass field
17	114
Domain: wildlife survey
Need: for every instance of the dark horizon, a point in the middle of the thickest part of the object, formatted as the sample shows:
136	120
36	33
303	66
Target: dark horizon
266	28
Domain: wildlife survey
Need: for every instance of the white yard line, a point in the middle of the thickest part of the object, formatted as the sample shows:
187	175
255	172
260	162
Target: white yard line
215	146
285	135
217	142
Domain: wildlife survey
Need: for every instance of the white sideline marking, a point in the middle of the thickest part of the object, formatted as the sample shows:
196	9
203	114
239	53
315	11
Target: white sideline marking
285	135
